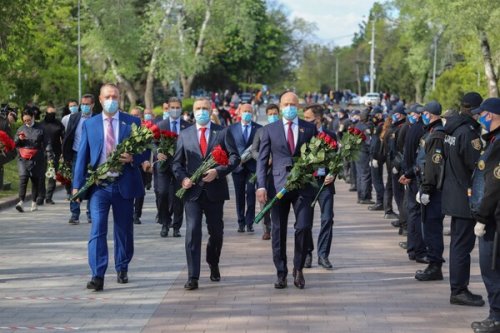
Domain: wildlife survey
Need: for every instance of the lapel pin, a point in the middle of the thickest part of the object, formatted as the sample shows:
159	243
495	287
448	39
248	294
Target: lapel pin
301	130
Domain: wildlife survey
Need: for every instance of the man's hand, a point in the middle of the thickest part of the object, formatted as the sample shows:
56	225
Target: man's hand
479	229
187	183
374	163
210	176
395	171
75	191
161	157
329	179
126	158
403	180
261	195
146	166
424	199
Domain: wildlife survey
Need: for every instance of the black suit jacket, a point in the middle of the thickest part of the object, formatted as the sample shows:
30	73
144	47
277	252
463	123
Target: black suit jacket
237	133
164	125
69	136
188	159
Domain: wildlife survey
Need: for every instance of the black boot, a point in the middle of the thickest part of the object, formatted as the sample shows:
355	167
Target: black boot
430	273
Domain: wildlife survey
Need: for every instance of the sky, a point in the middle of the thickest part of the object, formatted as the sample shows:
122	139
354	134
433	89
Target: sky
336	20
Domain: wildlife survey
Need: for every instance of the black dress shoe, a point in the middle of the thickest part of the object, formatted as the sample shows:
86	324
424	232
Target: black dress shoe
214	273
164	231
191	284
177	233
467	298
422	260
353	189
486	326
433	272
391	215
325	263
396	223
298	279
39	202
308	261
366	202
137	220
122	277
241	229
280	283
250	229
49	202
96	284
376	207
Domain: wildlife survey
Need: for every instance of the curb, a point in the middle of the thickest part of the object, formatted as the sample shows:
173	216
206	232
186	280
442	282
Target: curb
9	202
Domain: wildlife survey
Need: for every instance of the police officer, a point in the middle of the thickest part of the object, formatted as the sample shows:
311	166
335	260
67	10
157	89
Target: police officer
364	177
415	244
485	207
394	152
430	166
462	150
377	158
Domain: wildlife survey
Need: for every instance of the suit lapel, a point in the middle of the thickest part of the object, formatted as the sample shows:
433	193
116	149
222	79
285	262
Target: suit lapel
193	139
252	134
212	138
122	129
300	139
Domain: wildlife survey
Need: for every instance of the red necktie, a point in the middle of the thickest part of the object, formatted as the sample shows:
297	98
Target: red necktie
290	139
203	141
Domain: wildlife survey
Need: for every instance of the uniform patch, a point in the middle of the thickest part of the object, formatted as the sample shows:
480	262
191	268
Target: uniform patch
476	144
437	158
480	165
496	172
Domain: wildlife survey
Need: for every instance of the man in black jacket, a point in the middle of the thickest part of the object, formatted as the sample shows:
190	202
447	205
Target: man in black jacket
462	150
71	143
377	158
53	134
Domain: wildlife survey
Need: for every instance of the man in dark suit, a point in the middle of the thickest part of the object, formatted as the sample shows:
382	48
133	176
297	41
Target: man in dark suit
165	185
314	114
71	143
243	133
282	140
207	196
100	136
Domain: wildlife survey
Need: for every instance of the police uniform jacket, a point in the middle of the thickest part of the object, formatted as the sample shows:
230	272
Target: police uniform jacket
432	168
412	141
462	146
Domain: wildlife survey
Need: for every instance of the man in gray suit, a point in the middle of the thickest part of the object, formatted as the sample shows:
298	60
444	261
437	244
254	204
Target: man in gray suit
207	196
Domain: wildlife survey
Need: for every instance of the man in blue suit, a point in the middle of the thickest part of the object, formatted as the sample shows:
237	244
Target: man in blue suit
100	135
170	207
243	133
282	140
208	195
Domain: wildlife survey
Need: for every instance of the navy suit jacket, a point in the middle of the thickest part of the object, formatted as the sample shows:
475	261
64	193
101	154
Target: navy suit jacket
164	125
188	159
237	133
273	142
92	143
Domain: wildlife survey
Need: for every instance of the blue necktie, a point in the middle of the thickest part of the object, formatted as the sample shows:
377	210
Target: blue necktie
245	133
174	126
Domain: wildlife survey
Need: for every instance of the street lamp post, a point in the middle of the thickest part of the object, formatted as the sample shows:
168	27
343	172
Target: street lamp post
372	58
79	57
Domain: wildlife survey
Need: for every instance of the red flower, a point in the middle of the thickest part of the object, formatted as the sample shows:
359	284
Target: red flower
220	156
6	143
334	145
61	179
168	134
321	135
154	129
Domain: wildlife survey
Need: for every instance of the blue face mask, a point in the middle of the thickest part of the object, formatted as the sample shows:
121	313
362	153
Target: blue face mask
148	116
110	106
290	112
395	118
246	117
272	118
202	117
485	123
85	108
354	120
175	113
426	119
166	114
73	109
412	119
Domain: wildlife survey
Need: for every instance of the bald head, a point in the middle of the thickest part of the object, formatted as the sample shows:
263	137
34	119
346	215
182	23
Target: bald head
289	99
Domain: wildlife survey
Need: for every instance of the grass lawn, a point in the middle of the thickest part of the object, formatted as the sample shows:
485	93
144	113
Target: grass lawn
11	176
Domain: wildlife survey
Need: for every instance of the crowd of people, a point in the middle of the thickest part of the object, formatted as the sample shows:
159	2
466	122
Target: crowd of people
427	162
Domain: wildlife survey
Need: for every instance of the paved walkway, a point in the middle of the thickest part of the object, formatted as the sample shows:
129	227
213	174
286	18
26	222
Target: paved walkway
44	270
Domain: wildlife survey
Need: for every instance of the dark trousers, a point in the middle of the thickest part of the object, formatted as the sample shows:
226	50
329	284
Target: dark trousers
353	175
46	191
303	225
325	200
433	228
139	202
364	177
461	245
213	211
378	182
23	184
244	191
491	278
74	206
415	239
170	207
101	200
388	190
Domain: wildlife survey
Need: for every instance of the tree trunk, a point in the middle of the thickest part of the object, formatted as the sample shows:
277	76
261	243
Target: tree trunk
488	65
358	79
187	82
124	83
148	93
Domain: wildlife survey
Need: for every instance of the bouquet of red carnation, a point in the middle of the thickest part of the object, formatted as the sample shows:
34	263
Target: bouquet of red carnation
63	175
6	143
358	133
218	156
153	128
167	143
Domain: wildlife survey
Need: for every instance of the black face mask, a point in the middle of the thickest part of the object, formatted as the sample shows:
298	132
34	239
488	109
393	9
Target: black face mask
50	117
